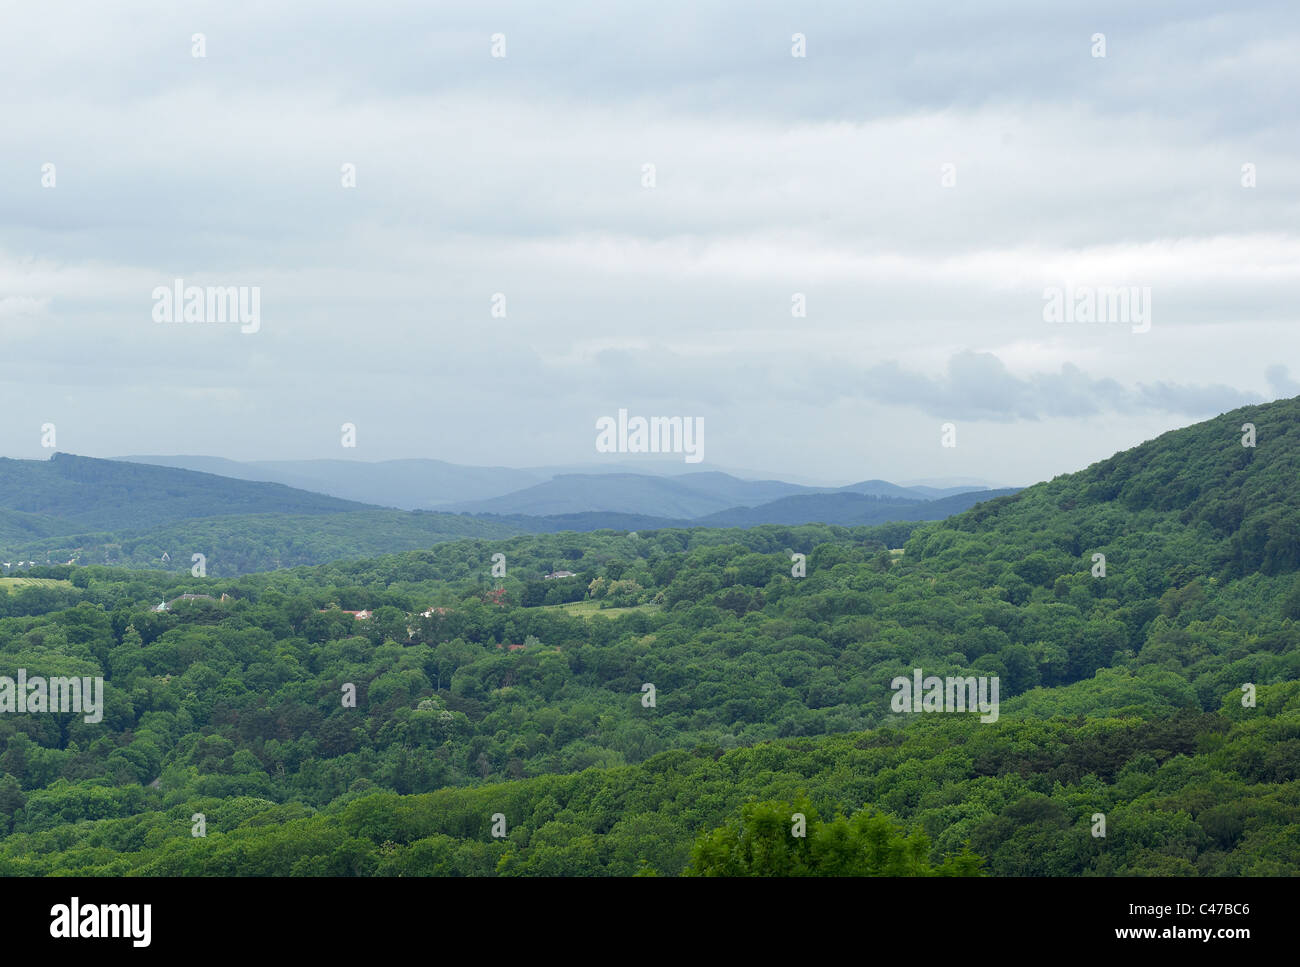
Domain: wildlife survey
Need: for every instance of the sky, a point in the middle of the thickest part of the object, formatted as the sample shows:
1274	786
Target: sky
458	249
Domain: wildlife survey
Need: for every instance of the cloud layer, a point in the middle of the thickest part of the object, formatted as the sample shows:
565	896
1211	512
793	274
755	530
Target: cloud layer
822	178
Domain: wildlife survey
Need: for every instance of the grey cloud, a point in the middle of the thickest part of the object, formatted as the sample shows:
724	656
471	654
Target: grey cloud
978	386
1280	381
1192	400
702	57
521	175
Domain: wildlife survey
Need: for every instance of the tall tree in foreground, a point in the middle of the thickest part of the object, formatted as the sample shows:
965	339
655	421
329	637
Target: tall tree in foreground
776	838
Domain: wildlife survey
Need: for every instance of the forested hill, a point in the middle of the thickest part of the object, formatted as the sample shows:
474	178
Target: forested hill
1195	500
1161	693
68	494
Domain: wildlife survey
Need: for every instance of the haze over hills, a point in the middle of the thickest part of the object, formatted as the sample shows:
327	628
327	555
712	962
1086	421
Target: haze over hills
688	496
656	487
406	484
947	486
90	510
99	510
691	495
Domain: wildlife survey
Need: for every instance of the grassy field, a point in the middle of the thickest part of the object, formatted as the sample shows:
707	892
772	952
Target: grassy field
589	608
13	584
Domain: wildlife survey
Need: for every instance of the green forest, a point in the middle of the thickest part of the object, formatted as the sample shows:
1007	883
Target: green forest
690	696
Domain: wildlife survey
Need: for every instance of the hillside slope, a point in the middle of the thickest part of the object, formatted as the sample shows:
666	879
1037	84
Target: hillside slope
847	509
1161	691
70	493
1196	497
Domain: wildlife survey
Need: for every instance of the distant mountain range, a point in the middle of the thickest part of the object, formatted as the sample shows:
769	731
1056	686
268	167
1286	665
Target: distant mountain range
657	490
848	508
96	511
688	496
405	484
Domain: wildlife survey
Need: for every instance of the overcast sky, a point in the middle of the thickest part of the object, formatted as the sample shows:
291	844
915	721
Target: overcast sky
524	175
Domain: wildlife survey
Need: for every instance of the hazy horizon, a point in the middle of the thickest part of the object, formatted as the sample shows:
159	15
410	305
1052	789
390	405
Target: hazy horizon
666	467
651	464
472	233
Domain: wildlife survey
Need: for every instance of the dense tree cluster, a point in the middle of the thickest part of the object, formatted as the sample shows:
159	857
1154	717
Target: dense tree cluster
1163	696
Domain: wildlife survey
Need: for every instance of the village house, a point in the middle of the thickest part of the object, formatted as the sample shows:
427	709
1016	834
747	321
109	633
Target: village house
358	615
